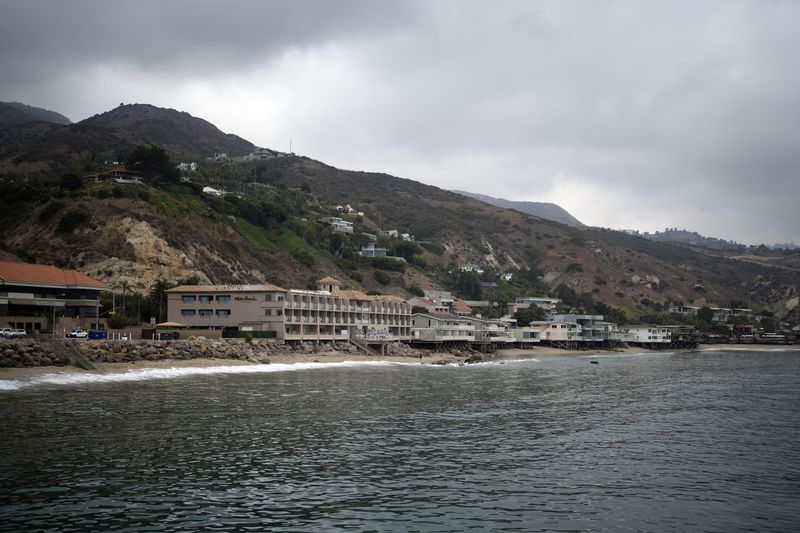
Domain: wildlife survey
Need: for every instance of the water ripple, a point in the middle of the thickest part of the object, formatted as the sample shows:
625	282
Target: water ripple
647	443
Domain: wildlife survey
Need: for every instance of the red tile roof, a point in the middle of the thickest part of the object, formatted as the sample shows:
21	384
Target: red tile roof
45	275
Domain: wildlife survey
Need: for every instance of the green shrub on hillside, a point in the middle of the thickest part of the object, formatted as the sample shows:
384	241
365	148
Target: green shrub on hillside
382	277
384	263
50	209
72	220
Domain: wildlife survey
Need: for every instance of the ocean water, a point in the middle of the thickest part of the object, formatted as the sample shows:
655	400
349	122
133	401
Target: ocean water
656	442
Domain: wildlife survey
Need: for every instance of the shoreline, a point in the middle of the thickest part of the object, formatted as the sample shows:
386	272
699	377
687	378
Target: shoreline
540	352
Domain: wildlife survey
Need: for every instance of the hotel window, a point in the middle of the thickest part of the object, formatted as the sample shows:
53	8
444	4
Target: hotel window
224	299
188	312
267	312
206	298
188	299
206	312
224	313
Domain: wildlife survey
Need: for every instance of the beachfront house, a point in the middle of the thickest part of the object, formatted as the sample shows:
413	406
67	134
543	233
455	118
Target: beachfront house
327	314
526	335
592	327
441	327
557	331
490	331
47	298
643	334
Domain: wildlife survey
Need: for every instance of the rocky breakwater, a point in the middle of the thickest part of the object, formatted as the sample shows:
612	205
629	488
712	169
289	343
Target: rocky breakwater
192	348
23	353
28	353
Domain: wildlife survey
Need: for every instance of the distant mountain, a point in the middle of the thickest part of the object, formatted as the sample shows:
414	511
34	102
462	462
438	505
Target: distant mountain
544	210
692	238
41	146
15	113
178	132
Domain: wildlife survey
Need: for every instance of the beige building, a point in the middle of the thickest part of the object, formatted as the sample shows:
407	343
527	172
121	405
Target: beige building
328	314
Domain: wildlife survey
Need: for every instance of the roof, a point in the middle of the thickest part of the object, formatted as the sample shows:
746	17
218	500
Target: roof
448	316
32	274
387	298
329	279
267	287
352	295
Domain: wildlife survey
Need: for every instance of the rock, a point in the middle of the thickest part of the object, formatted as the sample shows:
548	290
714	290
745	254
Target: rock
472	359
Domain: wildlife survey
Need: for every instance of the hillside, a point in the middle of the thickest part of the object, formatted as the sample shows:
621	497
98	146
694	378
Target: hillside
15	113
546	210
43	147
271	231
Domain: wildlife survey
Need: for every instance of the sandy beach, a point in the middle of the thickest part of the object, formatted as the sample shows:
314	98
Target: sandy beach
540	352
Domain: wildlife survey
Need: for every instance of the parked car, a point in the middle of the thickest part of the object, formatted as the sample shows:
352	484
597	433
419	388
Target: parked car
78	333
16	333
6	333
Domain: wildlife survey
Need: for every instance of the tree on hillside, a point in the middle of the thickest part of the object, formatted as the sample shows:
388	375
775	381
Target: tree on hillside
70	182
705	314
154	164
467	284
531	314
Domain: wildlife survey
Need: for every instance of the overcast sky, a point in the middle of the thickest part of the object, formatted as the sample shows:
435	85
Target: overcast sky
631	114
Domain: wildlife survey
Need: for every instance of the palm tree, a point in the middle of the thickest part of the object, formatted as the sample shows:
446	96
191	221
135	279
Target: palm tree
158	297
125	286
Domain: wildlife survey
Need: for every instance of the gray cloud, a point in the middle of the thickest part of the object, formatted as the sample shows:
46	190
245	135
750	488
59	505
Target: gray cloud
629	114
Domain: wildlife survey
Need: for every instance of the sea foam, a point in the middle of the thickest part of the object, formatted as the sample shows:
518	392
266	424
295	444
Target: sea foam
144	374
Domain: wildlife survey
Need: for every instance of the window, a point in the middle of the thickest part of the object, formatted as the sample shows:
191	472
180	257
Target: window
223	313
188	299
188	312
224	299
206	312
206	298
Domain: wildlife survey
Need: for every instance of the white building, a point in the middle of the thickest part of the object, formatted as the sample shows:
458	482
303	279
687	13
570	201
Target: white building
432	306
644	334
548	304
487	330
443	297
441	328
342	226
556	331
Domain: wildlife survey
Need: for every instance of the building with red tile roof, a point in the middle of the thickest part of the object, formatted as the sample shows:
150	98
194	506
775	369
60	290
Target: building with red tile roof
32	295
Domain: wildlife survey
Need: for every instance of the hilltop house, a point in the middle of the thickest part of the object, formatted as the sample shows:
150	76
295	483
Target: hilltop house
118	174
337	224
442	297
548	304
431	306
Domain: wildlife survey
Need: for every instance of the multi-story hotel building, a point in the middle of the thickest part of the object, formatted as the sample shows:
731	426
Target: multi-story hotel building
328	314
